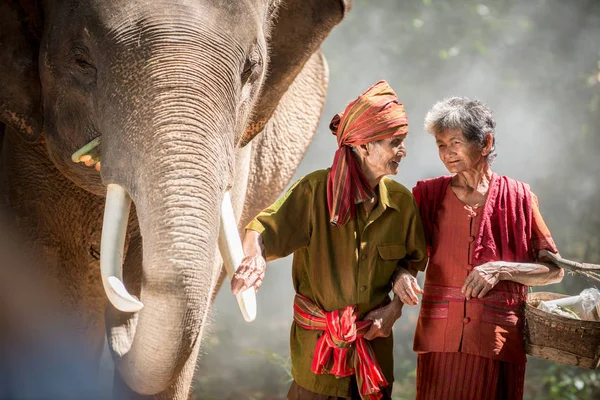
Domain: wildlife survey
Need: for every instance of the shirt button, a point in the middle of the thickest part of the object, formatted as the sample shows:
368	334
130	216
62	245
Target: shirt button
363	257
471	239
363	288
466	320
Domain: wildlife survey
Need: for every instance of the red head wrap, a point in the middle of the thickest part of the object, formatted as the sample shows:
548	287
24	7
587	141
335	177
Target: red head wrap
374	115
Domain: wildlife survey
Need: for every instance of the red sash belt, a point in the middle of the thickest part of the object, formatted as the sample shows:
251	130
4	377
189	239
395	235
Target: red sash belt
335	353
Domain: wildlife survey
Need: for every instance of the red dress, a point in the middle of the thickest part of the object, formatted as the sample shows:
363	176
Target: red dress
473	349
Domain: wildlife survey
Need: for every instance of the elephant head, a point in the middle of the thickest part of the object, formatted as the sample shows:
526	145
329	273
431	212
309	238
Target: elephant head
172	88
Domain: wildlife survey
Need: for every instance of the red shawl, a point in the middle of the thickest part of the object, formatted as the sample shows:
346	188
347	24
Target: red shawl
506	222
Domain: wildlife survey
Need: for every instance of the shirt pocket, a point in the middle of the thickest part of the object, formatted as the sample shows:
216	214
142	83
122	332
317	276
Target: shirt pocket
390	254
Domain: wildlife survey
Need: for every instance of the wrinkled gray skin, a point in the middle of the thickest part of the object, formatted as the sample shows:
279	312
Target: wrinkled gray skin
171	87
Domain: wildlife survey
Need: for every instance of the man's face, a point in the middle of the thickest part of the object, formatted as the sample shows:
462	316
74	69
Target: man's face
456	152
385	155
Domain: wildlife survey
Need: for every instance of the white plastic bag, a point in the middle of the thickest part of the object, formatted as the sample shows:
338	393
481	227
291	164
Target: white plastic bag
590	303
586	306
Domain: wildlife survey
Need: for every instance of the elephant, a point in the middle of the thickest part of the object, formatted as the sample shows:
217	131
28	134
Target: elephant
190	99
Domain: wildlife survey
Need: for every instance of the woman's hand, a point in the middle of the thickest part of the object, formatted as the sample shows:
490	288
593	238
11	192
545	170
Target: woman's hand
250	273
383	319
406	287
542	272
482	279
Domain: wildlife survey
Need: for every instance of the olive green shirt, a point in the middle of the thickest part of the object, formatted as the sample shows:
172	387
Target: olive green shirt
340	266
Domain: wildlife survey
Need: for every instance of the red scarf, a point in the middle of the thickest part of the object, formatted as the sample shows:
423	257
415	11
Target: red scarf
342	349
374	115
505	223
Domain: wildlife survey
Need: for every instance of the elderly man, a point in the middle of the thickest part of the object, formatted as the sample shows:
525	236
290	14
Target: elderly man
350	230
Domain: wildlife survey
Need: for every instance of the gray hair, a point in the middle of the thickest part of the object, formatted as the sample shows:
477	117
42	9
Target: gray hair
472	117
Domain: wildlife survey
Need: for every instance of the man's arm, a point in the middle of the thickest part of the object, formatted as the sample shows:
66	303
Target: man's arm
277	231
253	244
251	271
404	283
404	280
383	319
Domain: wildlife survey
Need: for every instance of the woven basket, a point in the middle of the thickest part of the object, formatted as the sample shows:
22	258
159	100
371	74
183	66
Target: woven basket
560	339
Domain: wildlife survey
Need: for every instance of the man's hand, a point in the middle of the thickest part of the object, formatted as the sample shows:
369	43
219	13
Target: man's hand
482	279
406	287
383	319
250	273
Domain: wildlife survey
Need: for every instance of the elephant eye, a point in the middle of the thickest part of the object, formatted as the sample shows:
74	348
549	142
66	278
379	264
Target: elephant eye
252	66
246	71
83	64
80	57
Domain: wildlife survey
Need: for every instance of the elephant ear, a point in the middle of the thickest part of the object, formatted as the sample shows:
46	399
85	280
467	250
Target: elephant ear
20	94
277	152
299	28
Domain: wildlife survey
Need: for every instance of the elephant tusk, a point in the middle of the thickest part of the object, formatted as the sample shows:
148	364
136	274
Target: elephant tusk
114	229
232	253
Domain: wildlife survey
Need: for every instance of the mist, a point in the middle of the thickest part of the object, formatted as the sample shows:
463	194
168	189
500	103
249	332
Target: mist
532	62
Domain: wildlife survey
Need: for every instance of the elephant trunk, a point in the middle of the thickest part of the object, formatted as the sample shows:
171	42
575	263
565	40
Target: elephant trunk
178	218
173	154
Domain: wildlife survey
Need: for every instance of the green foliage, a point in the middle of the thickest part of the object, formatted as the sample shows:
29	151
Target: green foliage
405	374
284	363
560	382
229	370
579	236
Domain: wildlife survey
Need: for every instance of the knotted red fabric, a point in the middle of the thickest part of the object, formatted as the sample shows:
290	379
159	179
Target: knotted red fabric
374	115
341	350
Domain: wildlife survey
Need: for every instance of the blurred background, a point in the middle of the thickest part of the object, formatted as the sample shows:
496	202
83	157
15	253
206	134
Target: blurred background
536	63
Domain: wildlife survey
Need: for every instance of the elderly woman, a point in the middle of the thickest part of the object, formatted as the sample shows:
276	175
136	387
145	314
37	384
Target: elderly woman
486	239
349	228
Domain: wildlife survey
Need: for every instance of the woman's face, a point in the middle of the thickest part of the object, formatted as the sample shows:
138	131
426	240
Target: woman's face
385	155
456	152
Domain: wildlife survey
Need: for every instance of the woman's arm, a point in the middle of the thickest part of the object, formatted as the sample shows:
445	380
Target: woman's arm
405	285
538	274
484	277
